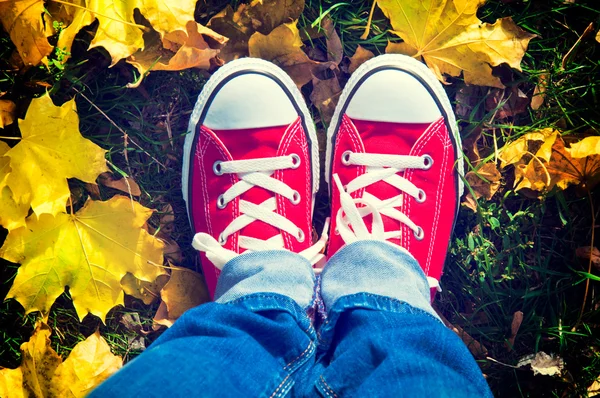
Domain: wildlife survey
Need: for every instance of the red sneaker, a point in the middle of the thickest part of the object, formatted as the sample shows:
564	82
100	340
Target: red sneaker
392	169
250	166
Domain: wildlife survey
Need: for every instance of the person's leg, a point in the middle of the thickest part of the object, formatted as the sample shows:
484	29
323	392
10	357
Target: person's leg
250	172
382	338
393	166
244	344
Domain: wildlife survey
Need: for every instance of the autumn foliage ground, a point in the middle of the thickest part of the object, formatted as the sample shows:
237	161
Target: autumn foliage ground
520	277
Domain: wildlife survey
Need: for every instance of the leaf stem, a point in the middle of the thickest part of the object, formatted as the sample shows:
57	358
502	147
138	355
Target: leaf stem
10	138
368	27
144	28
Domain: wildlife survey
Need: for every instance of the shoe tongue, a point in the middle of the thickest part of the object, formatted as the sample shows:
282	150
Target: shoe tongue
254	143
393	139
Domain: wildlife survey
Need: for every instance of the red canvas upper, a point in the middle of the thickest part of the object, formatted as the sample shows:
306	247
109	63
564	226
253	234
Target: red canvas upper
242	144
435	215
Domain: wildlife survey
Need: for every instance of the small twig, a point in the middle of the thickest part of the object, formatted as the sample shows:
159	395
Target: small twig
144	28
126	137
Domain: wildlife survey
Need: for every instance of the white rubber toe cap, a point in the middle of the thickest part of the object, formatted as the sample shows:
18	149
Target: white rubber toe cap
248	101
392	95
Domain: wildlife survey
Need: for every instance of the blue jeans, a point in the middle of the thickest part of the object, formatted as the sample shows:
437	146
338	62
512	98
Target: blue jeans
380	336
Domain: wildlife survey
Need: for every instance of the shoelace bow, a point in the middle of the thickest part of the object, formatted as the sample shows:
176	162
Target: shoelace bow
256	173
379	167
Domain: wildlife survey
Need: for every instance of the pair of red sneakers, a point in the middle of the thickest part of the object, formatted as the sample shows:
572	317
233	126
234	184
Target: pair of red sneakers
251	164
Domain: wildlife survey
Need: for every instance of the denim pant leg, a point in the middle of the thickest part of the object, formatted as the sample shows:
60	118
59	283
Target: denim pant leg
251	342
382	337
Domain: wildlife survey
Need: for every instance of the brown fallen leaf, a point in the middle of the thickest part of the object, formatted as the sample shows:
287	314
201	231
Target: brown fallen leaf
477	349
335	50
7	112
283	47
485	181
539	93
514	328
44	374
125	184
361	55
258	16
325	96
177	50
186	289
451	40
506	102
543	364
23	20
585	253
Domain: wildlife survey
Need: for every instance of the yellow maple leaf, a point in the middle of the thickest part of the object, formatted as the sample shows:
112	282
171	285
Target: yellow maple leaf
552	164
43	373
73	19
90	252
50	151
7	112
12	213
450	38
283	47
23	20
587	147
176	51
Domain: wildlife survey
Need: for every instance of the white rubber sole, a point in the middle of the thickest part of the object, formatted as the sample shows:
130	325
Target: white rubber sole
412	66
239	65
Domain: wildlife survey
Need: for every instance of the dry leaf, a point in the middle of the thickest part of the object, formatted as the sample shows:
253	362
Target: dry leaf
186	289
90	251
7	112
177	50
262	16
335	50
23	20
543	364
361	55
51	150
12	213
146	291
477	349
74	18
506	103
585	253
125	184
283	47
450	38
512	152
587	147
485	181
539	93
43	373
594	388
514	328
325	96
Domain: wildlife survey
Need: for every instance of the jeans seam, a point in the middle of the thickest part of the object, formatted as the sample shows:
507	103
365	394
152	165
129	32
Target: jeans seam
280	385
328	390
299	357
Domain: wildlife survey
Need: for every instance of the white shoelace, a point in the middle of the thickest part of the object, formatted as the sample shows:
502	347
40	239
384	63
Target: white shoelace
257	173
379	167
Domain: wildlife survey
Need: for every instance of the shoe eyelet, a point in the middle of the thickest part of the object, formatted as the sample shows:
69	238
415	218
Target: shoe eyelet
222	239
421	196
346	158
300	236
295	198
427	162
221	202
217	168
420	234
295	161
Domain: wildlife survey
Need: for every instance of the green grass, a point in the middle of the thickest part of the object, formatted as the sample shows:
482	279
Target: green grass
515	253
